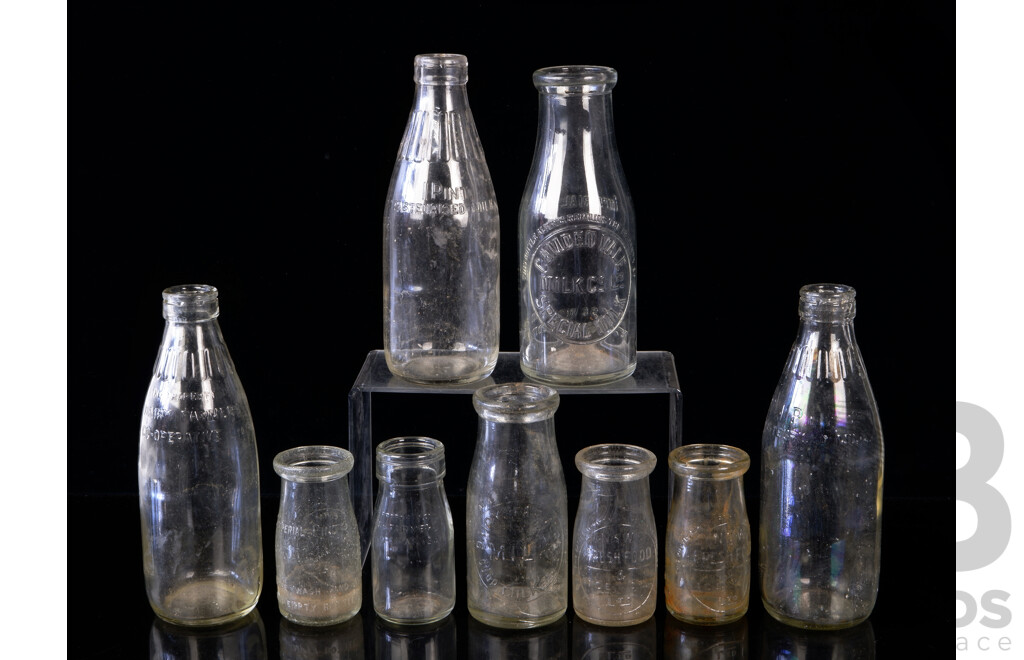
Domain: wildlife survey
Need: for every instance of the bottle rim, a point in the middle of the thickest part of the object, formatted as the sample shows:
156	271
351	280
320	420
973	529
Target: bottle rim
191	302
575	79
411	451
827	300
709	461
440	69
516	402
313	463
615	462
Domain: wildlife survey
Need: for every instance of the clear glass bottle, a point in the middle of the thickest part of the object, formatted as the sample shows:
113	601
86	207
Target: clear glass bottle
199	490
441	237
413	547
577	237
517	522
319	572
821	473
707	540
615	538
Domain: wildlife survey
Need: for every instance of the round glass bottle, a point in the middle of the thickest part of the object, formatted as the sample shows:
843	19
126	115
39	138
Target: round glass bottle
615	539
413	546
517	522
821	473
199	489
319	572
707	540
441	237
577	239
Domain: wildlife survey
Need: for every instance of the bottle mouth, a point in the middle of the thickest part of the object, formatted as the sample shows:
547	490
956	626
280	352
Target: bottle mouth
827	300
708	461
191	302
575	79
313	463
615	462
516	402
440	69
410	452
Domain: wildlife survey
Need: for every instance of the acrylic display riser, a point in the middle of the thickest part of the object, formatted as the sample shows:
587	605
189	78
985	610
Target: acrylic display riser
643	409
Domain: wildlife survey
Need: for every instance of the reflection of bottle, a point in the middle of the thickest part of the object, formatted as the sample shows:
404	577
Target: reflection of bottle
548	642
413	547
441	237
783	642
615	538
433	641
725	642
517	521
595	642
340	642
319	573
577	270
707	541
821	473
241	639
199	490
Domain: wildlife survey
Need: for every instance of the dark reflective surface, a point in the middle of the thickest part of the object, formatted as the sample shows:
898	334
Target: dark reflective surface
639	642
781	642
727	642
435	641
549	642
245	639
341	642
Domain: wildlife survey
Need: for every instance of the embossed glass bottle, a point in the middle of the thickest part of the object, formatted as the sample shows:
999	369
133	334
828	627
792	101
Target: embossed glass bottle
821	473
615	539
707	540
577	239
517	522
413	547
319	572
441	237
199	491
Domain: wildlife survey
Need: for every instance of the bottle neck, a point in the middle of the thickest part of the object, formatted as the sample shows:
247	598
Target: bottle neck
581	121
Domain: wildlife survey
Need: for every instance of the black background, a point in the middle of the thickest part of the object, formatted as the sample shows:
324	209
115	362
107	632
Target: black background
765	148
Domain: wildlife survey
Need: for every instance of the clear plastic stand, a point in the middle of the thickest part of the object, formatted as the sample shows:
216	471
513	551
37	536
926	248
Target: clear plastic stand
655	374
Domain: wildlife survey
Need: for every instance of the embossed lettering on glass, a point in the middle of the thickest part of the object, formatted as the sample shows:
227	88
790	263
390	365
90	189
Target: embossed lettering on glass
707	541
199	489
319	572
413	551
615	539
517	522
577	239
822	459
441	237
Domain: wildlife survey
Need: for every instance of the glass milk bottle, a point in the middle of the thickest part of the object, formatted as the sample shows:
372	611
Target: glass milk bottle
319	572
615	539
821	473
199	489
577	238
413	548
707	540
517	523
441	237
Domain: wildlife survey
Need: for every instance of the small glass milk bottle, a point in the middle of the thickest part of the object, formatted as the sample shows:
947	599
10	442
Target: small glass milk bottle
707	541
319	572
615	539
577	237
517	522
413	551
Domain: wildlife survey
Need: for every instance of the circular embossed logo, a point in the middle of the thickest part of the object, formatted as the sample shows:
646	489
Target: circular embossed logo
580	280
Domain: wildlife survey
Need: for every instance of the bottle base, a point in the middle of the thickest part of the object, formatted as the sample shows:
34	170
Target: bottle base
616	623
812	624
441	369
498	621
709	621
200	603
569	380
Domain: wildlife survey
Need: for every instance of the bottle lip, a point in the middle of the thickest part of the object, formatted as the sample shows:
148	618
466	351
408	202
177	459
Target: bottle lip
575	79
440	69
191	302
709	461
409	452
516	402
827	301
615	462
313	463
